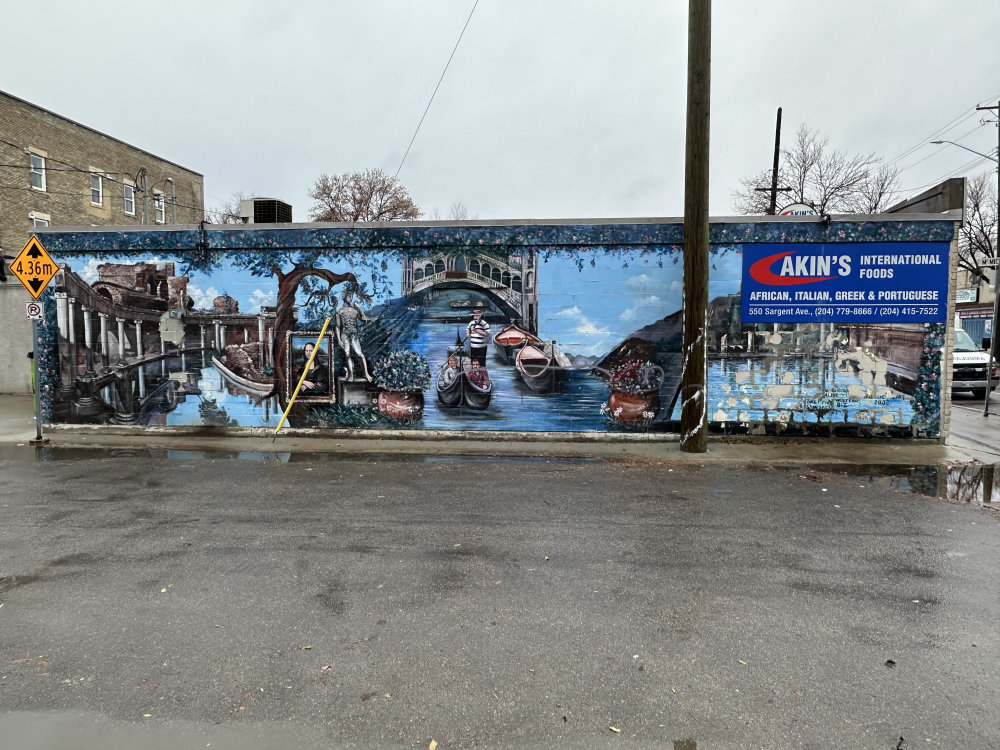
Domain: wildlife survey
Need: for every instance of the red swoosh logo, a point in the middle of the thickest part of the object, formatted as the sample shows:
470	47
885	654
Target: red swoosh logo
761	273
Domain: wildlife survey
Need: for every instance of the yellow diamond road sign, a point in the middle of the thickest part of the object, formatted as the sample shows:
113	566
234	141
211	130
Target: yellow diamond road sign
34	267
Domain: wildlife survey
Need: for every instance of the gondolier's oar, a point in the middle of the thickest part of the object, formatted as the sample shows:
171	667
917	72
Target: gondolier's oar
305	371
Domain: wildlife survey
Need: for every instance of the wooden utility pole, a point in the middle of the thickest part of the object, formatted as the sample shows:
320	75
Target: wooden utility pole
694	405
994	351
772	206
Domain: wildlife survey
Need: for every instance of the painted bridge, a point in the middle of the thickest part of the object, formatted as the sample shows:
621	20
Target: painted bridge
510	281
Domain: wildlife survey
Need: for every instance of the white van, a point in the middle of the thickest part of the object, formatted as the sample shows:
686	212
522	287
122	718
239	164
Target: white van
969	366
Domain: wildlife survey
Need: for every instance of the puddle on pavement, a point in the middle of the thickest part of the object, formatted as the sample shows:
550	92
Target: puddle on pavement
54	453
963	484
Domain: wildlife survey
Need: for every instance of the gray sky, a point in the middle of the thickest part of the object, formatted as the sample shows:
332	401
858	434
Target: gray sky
550	108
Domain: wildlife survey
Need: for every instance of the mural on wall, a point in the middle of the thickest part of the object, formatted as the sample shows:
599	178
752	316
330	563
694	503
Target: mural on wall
481	337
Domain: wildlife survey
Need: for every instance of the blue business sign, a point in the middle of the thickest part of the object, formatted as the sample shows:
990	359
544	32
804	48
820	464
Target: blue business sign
875	282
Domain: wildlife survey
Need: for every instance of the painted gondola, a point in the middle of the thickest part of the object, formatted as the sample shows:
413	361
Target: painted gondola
450	393
256	389
539	369
460	391
475	397
509	340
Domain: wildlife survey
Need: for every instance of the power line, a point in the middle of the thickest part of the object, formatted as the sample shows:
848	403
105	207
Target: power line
434	93
955	122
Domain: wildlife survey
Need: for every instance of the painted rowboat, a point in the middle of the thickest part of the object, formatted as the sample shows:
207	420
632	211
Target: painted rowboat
509	340
539	369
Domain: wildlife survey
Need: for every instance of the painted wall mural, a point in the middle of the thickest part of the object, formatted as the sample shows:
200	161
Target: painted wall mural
567	328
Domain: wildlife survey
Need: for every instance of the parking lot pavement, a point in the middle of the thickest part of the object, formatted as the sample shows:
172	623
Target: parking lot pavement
174	599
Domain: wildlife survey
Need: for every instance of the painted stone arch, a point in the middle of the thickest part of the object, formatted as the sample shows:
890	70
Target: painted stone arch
515	282
474	265
439	265
429	269
110	292
495	275
529	281
485	270
505	278
418	274
459	263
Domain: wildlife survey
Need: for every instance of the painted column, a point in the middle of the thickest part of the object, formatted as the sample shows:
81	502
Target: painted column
65	363
163	359
260	341
121	340
105	348
246	335
222	337
217	335
270	344
138	338
88	338
201	341
71	318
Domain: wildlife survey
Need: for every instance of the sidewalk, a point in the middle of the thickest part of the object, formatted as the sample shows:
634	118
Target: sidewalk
973	438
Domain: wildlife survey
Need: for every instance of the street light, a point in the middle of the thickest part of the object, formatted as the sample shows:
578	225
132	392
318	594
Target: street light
996	276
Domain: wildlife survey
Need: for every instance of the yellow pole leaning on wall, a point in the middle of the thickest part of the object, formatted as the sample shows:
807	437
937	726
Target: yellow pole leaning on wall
305	372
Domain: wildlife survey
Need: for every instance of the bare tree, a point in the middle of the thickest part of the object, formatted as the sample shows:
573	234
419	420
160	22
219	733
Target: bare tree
977	240
228	212
371	195
829	180
458	211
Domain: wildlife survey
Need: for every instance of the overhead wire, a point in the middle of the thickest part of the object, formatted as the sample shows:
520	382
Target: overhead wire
955	122
70	167
434	93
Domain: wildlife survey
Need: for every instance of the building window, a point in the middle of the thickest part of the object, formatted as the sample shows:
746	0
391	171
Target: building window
39	220
37	172
130	200
159	208
96	190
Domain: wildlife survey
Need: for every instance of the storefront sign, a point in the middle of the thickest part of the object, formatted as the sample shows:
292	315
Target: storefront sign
797	209
878	282
967	295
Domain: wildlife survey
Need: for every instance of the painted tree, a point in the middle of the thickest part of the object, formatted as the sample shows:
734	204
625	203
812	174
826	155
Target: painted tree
369	195
829	180
293	269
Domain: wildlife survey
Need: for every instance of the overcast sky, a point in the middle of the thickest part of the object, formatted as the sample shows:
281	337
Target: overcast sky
549	109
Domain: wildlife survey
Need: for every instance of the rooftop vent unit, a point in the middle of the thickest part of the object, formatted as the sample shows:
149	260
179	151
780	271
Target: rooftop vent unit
265	211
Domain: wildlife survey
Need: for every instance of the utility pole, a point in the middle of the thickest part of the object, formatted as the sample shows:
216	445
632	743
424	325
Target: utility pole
774	189
994	347
694	402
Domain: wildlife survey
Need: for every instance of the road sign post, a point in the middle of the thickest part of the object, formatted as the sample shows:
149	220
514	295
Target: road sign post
34	268
38	439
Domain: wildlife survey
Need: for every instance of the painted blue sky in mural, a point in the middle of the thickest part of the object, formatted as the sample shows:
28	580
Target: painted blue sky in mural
587	309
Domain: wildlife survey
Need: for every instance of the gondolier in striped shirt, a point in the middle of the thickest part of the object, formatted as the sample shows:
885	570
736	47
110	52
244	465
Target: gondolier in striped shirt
478	333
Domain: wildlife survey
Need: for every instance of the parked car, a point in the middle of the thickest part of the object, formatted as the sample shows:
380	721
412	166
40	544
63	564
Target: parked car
969	366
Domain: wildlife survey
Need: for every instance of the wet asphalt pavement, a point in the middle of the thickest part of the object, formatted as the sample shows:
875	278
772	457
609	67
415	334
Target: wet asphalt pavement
399	601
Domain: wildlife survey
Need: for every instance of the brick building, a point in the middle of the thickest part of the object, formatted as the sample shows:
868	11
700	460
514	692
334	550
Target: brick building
57	172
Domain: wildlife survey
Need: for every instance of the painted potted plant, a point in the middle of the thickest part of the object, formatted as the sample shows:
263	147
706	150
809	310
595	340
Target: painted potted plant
402	376
635	391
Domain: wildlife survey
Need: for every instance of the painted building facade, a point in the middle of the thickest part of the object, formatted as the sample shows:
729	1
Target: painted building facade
814	327
58	172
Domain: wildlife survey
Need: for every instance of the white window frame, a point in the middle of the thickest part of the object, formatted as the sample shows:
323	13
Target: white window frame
37	170
99	190
159	208
39	219
129	187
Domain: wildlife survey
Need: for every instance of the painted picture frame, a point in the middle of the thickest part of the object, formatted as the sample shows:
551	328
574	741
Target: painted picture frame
319	386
